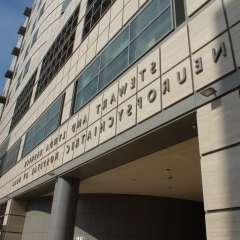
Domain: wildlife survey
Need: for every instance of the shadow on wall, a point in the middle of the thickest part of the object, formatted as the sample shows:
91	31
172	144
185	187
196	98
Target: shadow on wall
118	217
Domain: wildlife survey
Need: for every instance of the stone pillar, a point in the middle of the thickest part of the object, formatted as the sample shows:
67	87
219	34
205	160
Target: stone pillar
63	209
14	220
219	141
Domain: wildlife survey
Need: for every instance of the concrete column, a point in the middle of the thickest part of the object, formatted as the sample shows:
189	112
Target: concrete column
63	209
14	220
219	141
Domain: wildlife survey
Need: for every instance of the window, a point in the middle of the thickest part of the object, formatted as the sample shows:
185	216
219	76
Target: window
140	35
44	126
9	159
23	102
95	10
151	11
113	69
58	53
65	5
115	48
87	85
151	35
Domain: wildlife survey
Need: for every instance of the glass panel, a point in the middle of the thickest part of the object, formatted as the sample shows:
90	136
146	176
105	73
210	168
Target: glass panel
113	69
117	46
26	147
51	125
88	75
86	94
53	110
10	158
151	35
154	9
45	125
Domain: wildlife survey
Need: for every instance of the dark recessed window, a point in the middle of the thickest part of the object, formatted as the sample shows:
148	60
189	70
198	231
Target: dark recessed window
23	102
58	53
95	10
44	126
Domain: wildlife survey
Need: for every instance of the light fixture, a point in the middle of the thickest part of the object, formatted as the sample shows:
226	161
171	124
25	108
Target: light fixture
209	92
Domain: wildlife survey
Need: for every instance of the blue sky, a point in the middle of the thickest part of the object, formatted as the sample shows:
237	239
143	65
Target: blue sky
11	18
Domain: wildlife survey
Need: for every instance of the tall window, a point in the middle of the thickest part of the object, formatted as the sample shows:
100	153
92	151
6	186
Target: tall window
23	102
95	10
58	53
44	126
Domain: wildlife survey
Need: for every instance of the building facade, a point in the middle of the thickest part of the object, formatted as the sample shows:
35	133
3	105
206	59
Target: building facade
120	120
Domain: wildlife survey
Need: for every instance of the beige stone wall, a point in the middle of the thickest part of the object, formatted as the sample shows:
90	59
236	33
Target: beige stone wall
179	66
219	138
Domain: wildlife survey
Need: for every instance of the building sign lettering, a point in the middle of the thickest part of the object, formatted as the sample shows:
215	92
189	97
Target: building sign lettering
139	94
